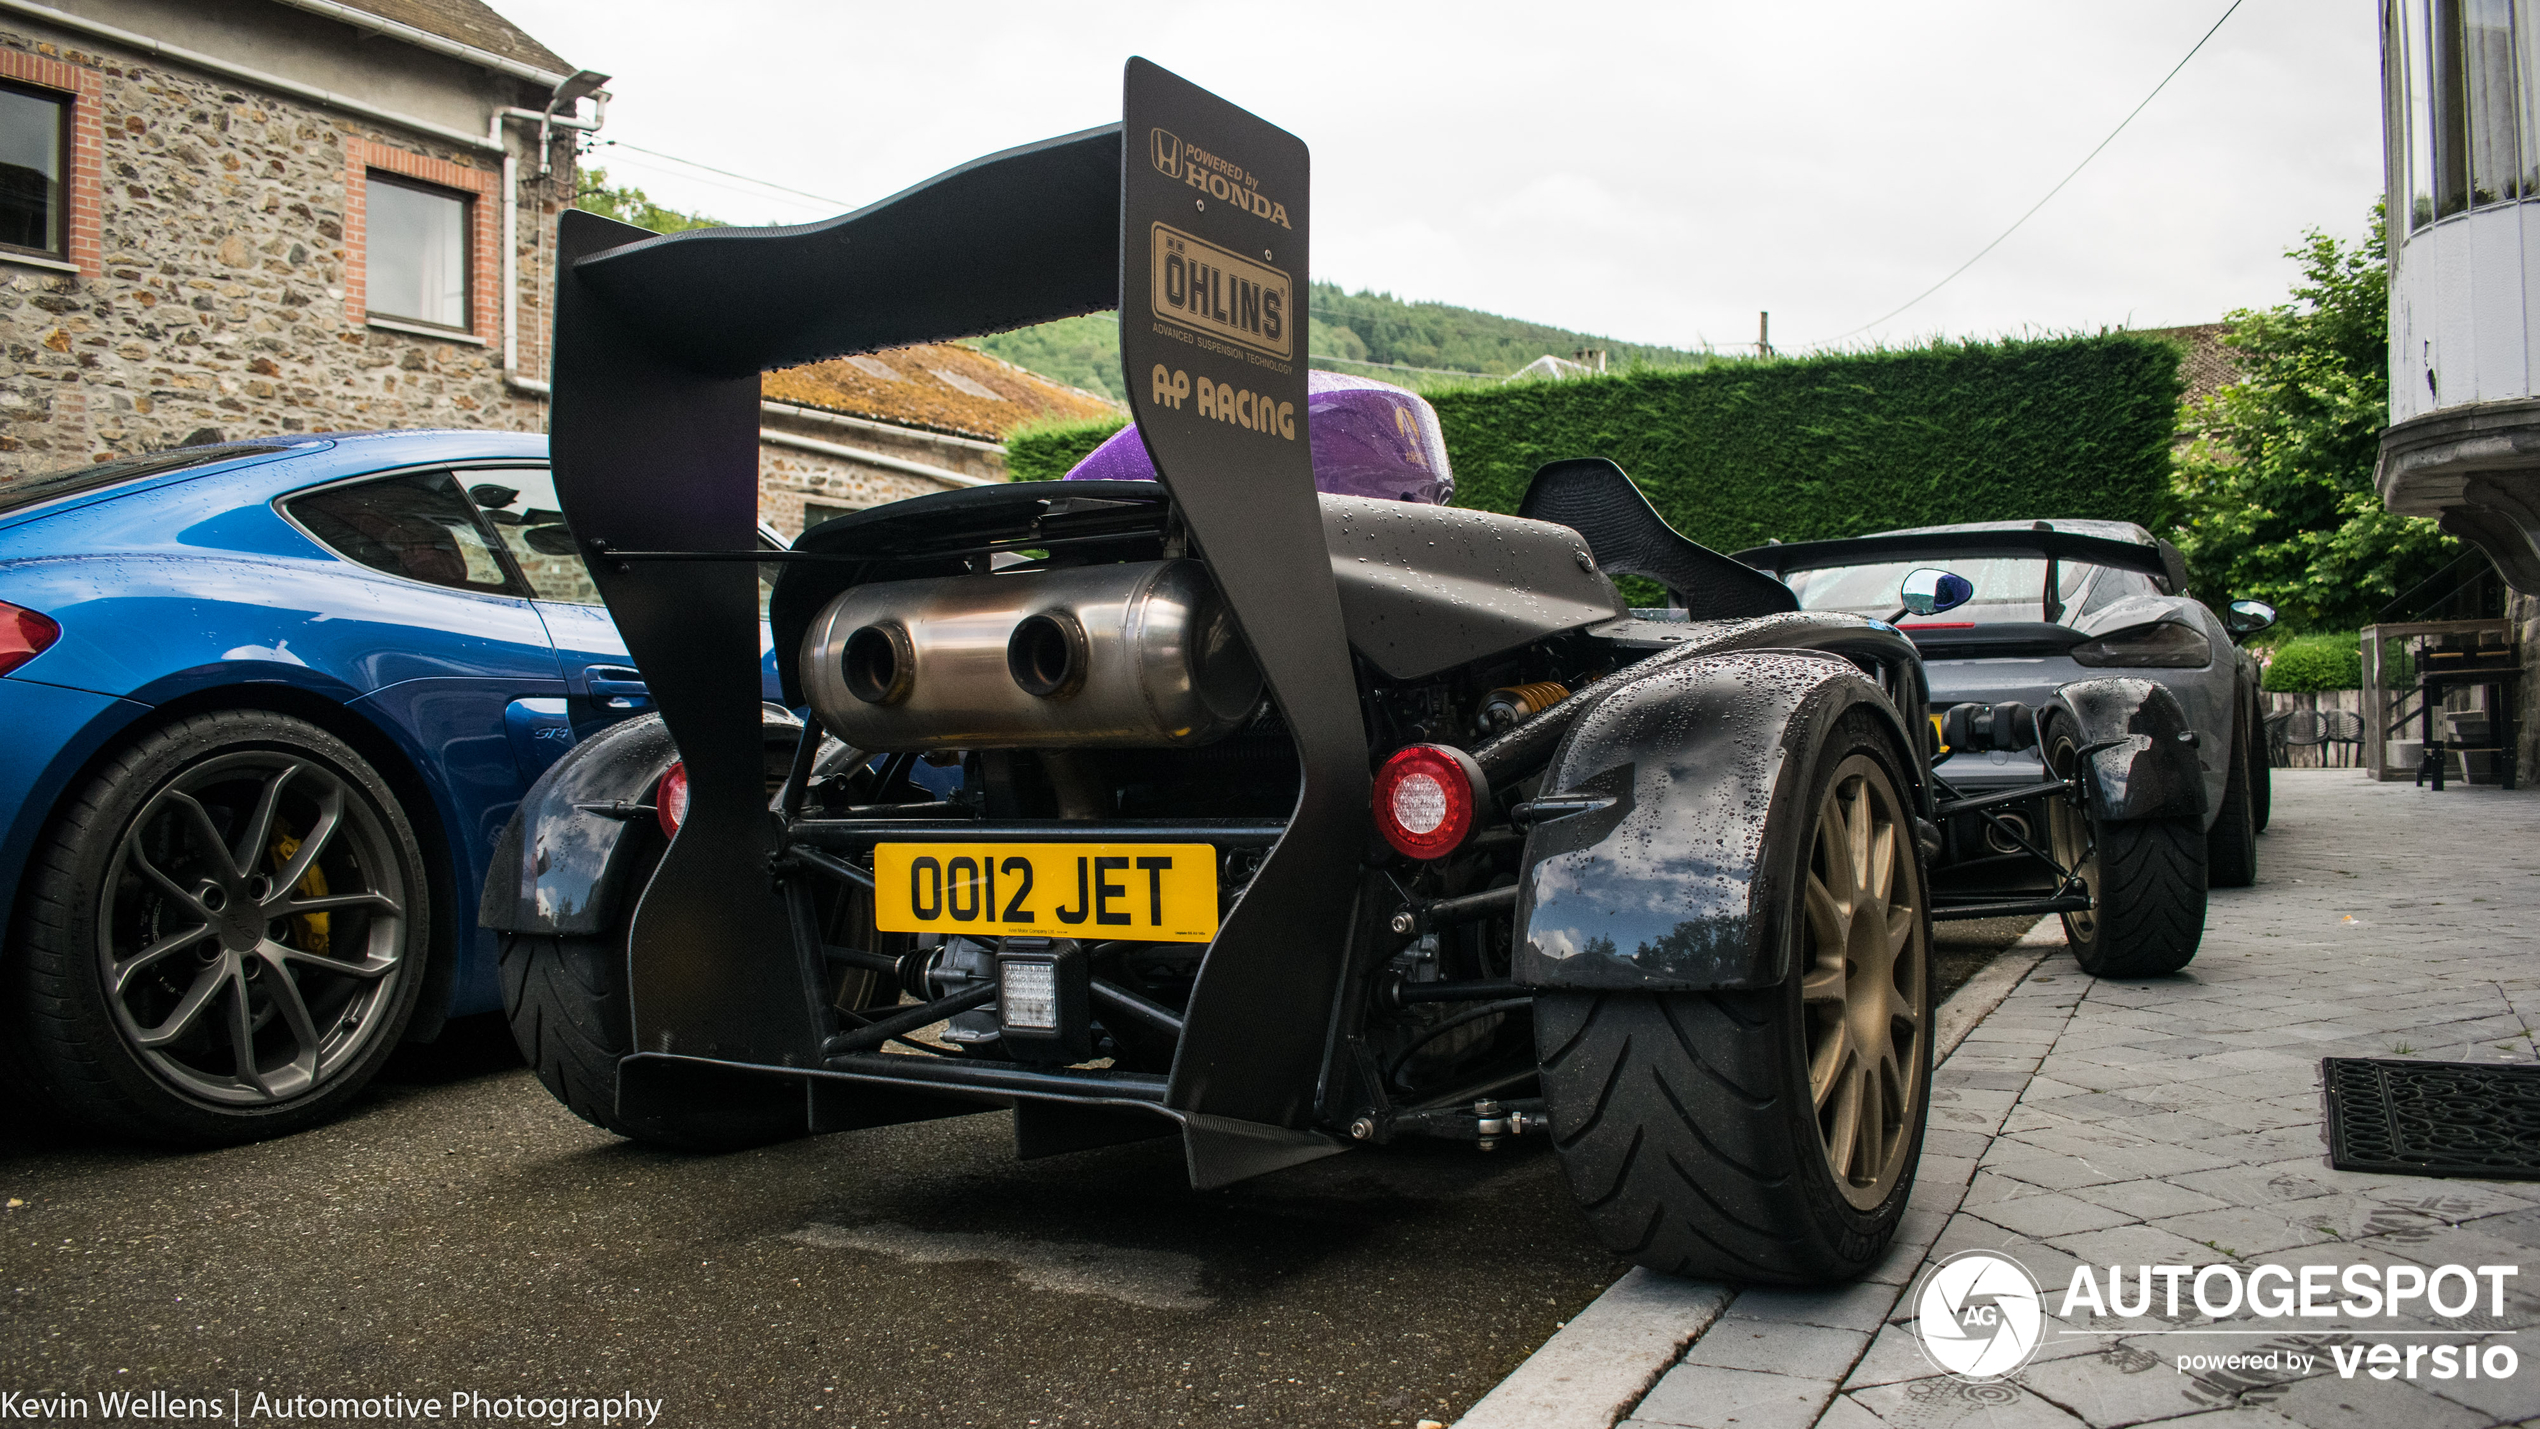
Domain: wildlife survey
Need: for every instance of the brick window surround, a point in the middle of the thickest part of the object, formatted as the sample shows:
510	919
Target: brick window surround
81	86
362	158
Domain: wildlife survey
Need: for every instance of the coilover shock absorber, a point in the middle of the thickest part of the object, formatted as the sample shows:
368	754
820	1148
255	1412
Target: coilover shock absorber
1511	705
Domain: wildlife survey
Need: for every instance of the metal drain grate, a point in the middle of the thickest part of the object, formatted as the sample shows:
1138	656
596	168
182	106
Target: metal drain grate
2412	1118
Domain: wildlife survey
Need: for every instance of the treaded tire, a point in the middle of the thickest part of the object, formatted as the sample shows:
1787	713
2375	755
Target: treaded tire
2261	770
2151	887
2231	844
1685	1122
2261	793
66	1052
566	999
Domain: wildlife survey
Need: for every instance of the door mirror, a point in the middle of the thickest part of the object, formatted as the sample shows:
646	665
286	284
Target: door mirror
1931	590
550	541
2247	617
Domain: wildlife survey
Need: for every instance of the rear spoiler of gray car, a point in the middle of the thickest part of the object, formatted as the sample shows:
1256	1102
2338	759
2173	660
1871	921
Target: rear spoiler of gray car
2158	558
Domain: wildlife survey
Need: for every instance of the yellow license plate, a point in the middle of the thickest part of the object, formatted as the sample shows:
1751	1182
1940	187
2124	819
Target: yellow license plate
1163	893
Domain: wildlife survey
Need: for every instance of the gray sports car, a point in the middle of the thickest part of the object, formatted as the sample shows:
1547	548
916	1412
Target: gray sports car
2006	615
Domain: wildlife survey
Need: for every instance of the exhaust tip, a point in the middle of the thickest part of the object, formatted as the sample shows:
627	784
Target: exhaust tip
1047	655
880	663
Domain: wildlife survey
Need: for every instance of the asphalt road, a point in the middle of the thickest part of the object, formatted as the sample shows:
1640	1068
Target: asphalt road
461	1231
1960	950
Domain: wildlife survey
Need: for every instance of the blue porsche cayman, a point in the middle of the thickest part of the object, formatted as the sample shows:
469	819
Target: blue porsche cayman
264	709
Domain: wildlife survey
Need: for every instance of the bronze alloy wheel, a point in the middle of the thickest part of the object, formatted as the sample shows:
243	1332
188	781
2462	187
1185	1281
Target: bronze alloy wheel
1863	991
252	929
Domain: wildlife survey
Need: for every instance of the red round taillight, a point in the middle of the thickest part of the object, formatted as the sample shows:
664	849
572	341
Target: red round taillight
1428	798
670	798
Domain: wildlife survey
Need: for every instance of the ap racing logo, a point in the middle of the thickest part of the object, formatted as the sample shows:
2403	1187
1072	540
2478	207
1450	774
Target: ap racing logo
1979	1315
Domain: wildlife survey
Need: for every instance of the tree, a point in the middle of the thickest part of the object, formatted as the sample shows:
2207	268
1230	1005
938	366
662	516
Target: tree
630	205
2276	500
1081	352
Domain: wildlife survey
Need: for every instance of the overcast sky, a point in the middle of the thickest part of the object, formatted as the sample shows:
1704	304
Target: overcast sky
1655	172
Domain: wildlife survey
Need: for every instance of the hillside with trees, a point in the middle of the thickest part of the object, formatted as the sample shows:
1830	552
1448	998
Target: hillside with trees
1356	332
1376	334
1081	352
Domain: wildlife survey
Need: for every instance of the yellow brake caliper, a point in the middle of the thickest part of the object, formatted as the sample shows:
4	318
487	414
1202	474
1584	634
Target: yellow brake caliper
312	927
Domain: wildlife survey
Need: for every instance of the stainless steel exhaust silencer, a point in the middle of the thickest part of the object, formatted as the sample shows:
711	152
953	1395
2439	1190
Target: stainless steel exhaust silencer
1125	656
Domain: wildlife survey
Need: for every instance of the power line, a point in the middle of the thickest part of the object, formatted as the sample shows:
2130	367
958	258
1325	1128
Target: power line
2050	193
840	204
624	165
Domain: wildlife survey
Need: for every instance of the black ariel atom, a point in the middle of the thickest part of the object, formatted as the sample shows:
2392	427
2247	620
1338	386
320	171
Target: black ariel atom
1286	821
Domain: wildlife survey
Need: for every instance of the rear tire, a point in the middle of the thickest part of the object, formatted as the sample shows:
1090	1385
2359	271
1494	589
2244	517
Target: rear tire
221	936
2146	880
572	1017
2231	845
1701	1133
2261	771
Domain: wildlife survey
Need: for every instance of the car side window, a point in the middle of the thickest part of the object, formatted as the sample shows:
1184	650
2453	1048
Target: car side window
2115	585
419	526
520	503
2068	578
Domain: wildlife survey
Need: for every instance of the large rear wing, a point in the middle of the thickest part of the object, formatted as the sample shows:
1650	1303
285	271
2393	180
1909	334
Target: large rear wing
1190	217
2157	559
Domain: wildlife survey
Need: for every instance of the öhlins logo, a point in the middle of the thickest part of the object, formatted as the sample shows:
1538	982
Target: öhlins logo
1220	292
1220	179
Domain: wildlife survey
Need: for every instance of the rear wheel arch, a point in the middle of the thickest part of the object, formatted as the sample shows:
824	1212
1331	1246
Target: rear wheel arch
1690	1125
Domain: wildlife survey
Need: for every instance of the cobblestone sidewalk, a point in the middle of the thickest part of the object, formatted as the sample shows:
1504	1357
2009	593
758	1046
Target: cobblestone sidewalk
2179	1121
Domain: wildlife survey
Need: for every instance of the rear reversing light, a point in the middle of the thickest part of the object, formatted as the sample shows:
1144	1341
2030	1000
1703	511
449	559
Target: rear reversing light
23	636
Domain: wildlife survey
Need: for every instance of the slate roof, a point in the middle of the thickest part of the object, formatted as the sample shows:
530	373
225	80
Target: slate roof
470	22
942	387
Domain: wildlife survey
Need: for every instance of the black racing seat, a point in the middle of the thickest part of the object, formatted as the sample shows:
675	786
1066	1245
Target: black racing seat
1628	537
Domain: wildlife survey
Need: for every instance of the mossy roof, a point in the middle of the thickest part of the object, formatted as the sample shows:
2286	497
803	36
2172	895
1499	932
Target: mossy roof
940	386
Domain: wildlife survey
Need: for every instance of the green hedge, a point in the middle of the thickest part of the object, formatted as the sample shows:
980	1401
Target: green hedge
1739	453
2316	662
1046	451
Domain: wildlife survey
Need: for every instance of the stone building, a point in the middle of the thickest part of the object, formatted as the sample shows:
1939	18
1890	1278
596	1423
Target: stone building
220	218
226	217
